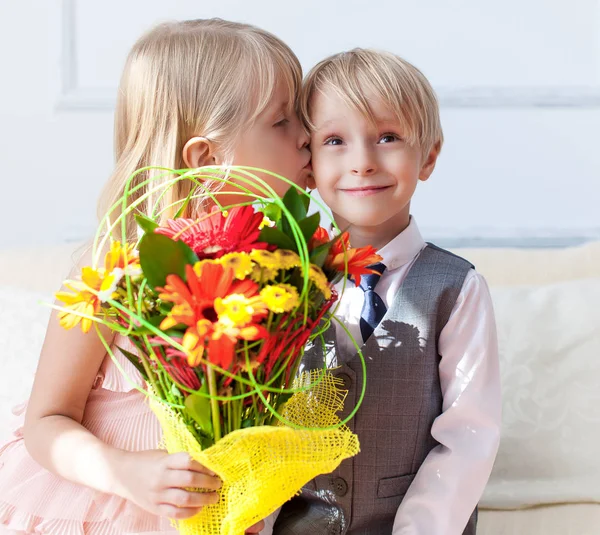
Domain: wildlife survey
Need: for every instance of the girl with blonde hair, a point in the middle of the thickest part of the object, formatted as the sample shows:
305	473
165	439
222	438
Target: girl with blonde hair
84	459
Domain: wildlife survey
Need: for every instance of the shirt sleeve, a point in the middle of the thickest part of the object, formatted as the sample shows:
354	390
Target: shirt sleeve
269	523
451	480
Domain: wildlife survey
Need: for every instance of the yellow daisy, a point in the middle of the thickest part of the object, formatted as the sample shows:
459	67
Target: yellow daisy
237	310
287	259
316	275
280	297
240	263
83	300
265	258
263	274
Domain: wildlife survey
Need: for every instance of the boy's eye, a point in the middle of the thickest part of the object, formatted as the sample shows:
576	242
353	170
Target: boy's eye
333	141
283	122
388	138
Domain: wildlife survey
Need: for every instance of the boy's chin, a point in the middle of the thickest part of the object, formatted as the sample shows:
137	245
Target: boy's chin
366	221
374	223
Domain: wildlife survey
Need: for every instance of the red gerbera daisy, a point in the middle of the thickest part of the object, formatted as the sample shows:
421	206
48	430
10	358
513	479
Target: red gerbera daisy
218	234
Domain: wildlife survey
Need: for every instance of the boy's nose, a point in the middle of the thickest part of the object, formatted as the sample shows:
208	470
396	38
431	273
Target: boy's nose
363	170
363	161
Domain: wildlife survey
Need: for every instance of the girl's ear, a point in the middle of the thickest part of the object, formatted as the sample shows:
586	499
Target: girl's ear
429	164
198	152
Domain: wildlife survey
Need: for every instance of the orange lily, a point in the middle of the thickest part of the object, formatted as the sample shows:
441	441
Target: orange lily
358	259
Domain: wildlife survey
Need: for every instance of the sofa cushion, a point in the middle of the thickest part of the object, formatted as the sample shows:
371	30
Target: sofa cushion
549	338
503	267
23	322
578	519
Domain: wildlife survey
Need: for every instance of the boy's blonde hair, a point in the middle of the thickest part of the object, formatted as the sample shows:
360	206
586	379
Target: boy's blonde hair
360	73
208	78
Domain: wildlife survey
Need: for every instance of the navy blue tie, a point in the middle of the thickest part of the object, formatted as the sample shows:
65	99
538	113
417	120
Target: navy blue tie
373	308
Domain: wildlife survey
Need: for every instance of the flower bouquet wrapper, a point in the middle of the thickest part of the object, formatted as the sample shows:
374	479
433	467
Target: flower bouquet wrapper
263	467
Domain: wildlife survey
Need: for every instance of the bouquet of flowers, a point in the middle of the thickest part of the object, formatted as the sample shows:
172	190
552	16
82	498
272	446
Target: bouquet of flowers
220	308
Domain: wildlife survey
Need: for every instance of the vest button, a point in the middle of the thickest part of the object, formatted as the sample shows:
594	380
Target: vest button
340	487
346	379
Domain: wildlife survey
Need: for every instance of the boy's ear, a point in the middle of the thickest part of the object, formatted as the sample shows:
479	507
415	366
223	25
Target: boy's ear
429	163
199	151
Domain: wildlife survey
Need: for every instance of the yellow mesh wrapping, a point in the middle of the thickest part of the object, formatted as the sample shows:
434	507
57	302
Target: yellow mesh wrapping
263	467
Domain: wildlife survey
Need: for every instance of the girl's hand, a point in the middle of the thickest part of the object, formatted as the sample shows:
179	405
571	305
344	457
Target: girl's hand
157	482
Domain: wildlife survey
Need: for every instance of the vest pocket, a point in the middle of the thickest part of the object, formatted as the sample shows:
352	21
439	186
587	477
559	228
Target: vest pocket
394	486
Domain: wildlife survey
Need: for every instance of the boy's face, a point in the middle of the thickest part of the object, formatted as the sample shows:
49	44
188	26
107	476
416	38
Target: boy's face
365	172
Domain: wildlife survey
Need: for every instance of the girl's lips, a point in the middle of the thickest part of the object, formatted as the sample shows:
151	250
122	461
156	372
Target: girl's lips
365	191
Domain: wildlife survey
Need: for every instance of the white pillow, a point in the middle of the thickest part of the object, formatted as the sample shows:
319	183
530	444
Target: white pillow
23	322
549	340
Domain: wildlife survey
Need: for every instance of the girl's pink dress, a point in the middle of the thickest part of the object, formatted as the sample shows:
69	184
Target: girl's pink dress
35	501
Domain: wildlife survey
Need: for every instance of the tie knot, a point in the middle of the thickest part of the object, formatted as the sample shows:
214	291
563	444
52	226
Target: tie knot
370	280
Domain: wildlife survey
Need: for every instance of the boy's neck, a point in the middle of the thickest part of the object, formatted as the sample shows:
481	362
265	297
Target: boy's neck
378	236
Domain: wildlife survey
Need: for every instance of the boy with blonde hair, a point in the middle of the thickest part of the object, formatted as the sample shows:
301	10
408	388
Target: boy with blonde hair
429	424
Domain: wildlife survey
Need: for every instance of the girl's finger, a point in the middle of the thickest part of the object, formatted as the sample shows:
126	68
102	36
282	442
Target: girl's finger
183	461
187	499
181	479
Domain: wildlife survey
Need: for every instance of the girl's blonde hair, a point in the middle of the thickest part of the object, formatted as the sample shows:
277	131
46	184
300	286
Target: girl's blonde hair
360	74
208	78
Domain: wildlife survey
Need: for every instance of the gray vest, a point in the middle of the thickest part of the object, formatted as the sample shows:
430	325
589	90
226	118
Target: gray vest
402	399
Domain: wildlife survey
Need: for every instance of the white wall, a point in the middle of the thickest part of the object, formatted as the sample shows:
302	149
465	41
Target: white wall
519	82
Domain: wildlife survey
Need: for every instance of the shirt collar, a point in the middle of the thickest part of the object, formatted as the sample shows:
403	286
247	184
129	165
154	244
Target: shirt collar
403	248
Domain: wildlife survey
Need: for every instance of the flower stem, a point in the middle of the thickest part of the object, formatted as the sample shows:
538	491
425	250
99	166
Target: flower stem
214	403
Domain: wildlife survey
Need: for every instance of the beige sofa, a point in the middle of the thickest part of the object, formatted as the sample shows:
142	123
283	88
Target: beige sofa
546	479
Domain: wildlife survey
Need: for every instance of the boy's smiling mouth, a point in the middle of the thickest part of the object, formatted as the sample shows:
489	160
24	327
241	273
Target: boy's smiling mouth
364	191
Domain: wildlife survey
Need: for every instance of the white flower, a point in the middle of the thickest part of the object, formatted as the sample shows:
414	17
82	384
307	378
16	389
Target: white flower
109	284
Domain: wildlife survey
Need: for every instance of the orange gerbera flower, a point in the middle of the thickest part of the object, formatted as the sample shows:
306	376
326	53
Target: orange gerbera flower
358	259
218	310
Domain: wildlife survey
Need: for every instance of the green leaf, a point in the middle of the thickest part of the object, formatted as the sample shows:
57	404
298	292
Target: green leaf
155	321
274	236
306	198
309	225
295	203
161	256
175	391
198	407
145	223
184	205
272	211
319	255
164	307
135	360
247	422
